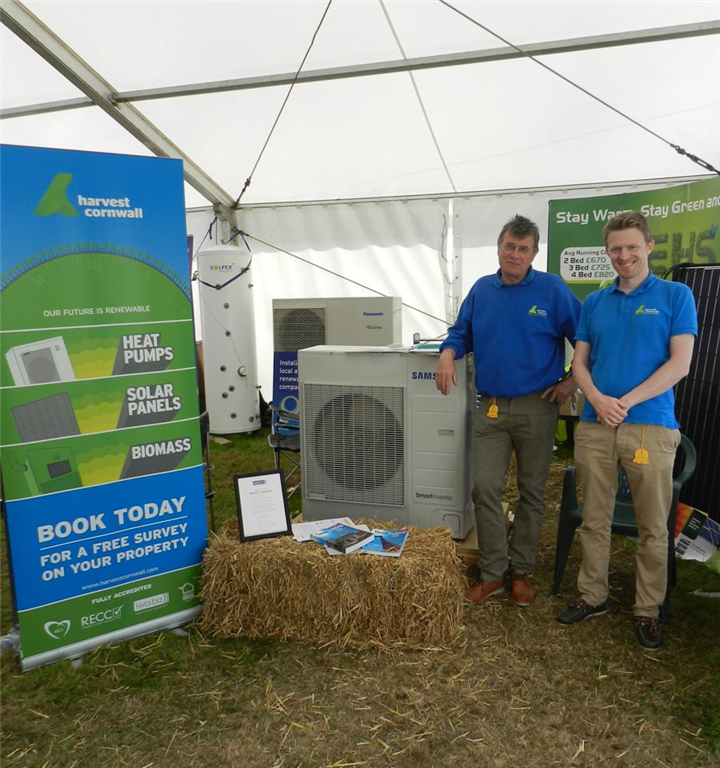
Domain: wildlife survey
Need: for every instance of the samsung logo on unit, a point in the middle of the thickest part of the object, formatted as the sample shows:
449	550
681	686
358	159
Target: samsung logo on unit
416	375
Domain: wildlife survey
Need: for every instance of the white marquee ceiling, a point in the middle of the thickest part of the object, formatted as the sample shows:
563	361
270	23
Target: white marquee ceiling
499	125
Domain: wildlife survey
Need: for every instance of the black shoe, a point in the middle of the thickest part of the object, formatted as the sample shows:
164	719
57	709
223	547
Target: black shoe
648	632
579	610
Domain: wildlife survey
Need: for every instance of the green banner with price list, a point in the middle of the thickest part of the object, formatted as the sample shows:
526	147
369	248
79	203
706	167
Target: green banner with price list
683	219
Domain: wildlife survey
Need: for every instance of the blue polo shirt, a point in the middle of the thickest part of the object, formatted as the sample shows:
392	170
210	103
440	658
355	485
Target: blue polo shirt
630	337
516	333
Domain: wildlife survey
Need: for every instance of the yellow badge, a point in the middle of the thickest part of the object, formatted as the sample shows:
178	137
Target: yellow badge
492	412
641	456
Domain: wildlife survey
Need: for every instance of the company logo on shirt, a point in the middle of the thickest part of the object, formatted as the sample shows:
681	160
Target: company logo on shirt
643	310
538	312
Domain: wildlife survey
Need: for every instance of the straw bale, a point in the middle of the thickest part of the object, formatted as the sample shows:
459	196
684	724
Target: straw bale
284	589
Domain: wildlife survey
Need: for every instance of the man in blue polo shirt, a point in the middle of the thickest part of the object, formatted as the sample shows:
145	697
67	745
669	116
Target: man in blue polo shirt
515	323
634	343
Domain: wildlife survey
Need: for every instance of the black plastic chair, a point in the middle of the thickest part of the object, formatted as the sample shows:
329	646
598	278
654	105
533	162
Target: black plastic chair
623	521
284	439
207	466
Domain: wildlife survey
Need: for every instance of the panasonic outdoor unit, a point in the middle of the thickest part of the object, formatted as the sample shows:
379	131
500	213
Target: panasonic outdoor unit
349	321
379	440
365	321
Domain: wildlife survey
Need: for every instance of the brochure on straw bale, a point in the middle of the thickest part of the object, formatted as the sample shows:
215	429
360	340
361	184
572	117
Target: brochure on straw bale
386	543
343	539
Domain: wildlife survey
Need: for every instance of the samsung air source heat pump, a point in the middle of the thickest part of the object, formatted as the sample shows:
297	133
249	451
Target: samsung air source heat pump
379	441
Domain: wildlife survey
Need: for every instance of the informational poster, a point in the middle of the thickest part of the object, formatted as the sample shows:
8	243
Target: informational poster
683	221
99	432
285	378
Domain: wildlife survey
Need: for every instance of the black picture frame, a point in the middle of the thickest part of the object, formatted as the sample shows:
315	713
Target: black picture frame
264	518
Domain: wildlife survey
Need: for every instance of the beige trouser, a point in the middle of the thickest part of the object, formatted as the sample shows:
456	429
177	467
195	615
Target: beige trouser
598	450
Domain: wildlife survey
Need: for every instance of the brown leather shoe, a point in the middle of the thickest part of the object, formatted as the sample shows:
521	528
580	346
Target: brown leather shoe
483	590
522	592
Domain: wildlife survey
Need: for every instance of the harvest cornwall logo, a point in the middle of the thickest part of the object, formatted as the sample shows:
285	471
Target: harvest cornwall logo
57	629
537	312
55	199
643	310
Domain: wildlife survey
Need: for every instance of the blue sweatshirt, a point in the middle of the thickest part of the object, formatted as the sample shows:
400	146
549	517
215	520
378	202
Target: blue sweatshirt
516	333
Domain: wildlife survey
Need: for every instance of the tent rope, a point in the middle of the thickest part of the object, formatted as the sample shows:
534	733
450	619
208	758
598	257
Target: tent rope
342	277
702	163
677	148
419	98
248	181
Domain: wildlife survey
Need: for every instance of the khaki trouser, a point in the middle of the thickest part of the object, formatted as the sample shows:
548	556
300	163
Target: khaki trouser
527	425
598	450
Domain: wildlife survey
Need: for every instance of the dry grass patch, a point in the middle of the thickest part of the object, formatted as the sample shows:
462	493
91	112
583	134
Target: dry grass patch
515	690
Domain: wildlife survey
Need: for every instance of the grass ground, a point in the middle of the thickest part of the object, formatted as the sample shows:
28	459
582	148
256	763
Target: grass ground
518	689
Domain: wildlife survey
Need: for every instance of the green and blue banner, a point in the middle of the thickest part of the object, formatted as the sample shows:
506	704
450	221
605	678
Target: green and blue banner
683	221
99	433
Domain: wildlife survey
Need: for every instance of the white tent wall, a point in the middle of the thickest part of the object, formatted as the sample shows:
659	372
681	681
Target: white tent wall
392	247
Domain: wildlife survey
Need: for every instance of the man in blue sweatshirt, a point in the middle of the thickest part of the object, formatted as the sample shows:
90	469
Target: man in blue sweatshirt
515	323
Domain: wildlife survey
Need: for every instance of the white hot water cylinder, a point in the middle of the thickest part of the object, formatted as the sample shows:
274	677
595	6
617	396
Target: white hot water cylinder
228	338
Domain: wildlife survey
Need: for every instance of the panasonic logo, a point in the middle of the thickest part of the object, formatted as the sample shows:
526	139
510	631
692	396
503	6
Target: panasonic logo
373	314
422	375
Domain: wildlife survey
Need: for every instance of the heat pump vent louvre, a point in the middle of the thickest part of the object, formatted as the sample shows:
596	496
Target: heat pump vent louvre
298	328
357	443
40	366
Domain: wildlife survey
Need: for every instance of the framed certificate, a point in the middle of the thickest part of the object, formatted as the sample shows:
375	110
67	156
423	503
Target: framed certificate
262	505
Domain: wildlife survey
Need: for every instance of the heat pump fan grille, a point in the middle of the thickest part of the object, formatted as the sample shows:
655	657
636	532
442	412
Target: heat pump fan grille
298	328
356	443
40	366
